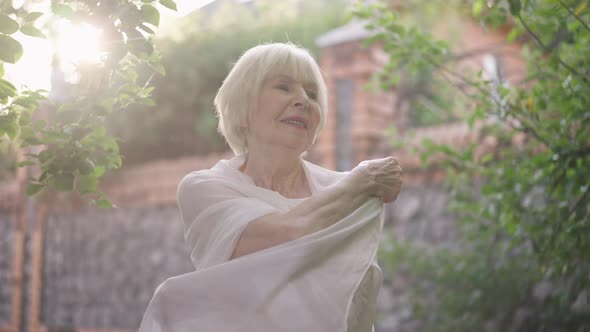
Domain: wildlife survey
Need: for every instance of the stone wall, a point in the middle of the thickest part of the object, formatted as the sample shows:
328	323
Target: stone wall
7	232
418	216
102	267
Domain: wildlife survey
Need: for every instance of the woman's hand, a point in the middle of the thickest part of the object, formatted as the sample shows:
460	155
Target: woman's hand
379	177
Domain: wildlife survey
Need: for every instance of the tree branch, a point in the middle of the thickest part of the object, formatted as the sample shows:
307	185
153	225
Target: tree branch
579	201
538	40
574	15
579	153
528	129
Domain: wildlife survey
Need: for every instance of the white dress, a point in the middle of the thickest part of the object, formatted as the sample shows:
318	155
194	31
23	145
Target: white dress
325	281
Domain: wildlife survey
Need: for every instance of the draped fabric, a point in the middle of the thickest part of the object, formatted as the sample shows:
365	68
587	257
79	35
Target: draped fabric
325	281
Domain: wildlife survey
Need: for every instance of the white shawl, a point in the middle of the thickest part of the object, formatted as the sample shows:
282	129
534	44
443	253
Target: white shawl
303	285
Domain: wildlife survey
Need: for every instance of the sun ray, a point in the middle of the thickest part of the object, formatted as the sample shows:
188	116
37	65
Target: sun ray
77	44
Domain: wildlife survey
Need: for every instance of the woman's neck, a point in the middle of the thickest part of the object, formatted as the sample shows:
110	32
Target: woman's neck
282	173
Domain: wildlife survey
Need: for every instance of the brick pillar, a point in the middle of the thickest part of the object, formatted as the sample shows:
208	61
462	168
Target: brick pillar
348	68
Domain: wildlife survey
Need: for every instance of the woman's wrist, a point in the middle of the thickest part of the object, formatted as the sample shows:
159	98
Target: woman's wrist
356	186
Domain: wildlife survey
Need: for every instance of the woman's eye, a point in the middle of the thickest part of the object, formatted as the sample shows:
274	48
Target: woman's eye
312	95
283	87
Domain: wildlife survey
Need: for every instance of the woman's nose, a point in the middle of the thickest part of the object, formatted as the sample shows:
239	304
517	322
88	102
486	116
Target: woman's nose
301	99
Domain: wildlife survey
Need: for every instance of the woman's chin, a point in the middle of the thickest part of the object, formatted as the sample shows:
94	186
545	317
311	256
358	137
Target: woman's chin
295	146
296	149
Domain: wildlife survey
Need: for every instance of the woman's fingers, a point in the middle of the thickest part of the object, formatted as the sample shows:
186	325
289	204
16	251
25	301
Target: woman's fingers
385	176
397	170
392	188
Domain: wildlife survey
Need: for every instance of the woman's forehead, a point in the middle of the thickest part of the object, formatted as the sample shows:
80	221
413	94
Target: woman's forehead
290	78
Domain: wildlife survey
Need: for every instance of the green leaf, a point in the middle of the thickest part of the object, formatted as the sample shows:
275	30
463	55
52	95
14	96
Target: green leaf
33	188
581	8
86	183
1	70
103	203
99	171
512	35
514	7
10	50
138	44
150	15
63	182
6	89
8	125
25	163
32	16
477	8
487	158
30	30
169	4
7	25
145	28
62	10
86	166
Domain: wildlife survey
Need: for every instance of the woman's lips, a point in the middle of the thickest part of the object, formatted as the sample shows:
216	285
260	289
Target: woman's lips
296	125
298	122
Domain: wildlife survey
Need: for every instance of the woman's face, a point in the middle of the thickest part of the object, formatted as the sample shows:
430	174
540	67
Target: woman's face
288	115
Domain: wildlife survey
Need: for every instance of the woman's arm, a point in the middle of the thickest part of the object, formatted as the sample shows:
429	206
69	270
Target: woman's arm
380	177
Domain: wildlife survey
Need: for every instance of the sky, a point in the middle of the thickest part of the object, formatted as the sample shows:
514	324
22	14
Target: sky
34	68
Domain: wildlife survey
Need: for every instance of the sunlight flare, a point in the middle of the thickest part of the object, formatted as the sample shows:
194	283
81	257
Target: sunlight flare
78	43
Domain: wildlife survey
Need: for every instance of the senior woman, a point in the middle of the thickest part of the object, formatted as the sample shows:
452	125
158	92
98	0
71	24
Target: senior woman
278	243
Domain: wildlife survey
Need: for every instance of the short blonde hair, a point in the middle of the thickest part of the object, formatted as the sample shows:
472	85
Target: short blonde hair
238	94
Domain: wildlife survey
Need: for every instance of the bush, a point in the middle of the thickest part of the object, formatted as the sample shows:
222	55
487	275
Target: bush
524	262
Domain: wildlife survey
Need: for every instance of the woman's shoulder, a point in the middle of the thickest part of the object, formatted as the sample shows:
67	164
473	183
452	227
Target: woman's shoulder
192	181
201	179
218	177
197	176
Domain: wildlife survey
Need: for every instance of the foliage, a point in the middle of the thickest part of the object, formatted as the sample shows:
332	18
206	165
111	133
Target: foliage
76	148
525	225
420	89
197	58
